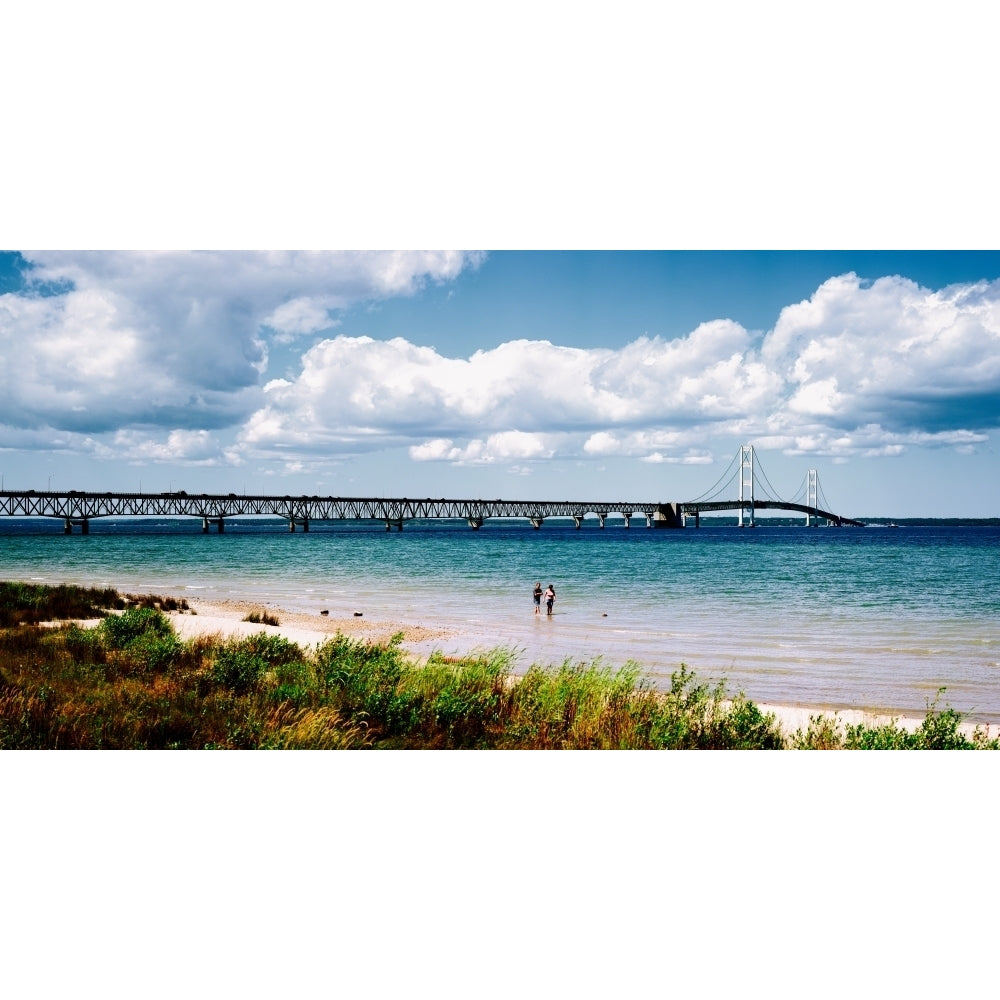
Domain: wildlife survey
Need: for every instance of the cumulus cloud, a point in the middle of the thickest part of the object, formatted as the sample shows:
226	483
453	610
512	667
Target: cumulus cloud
857	369
98	343
178	446
353	387
503	447
891	354
154	356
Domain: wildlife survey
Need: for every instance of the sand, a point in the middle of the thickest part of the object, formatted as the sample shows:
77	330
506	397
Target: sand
225	618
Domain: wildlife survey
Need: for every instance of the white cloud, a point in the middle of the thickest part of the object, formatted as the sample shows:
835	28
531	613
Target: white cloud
891	353
106	341
304	315
817	398
853	370
505	447
179	446
151	357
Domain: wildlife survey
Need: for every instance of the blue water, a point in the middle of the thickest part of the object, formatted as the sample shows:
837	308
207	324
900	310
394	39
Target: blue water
870	618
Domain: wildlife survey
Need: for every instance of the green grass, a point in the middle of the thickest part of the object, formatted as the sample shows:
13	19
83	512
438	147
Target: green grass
131	683
24	603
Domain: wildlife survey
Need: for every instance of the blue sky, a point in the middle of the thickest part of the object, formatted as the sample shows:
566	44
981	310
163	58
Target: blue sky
520	372
514	374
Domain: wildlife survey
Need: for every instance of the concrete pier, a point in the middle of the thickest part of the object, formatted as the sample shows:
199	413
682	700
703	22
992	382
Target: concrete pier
668	515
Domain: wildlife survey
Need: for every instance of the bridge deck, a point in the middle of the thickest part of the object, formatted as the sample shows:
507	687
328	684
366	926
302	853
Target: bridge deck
77	506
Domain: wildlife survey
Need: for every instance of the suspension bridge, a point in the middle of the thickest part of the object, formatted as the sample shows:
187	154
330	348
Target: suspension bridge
77	508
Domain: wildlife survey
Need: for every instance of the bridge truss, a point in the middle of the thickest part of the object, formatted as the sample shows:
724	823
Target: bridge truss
78	508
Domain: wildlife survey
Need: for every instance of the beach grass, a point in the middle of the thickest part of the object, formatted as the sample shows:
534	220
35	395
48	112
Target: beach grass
261	618
131	683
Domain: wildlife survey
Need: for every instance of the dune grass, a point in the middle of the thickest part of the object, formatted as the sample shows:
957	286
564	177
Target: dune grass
261	618
131	683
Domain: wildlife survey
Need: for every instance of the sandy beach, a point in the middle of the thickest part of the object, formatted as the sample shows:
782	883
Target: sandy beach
226	618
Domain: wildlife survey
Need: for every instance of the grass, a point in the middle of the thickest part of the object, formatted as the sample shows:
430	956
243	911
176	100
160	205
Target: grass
25	603
131	683
261	618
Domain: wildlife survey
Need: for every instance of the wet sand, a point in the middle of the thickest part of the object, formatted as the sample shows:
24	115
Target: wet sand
225	618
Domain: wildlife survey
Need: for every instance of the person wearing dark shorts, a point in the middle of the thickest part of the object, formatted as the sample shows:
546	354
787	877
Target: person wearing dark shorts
550	599
538	598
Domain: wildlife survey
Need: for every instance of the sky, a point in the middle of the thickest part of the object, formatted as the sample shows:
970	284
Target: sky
609	375
690	208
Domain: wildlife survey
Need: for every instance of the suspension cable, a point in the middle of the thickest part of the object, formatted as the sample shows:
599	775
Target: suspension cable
821	495
800	493
775	495
714	489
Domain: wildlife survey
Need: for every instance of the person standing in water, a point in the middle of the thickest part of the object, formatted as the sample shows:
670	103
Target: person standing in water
538	598
550	599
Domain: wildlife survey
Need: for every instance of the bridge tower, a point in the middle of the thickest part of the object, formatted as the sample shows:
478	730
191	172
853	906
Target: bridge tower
746	483
812	496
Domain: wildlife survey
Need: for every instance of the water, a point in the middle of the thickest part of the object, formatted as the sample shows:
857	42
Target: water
872	618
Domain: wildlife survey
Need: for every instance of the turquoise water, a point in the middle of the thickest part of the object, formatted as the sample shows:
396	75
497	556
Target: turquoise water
871	618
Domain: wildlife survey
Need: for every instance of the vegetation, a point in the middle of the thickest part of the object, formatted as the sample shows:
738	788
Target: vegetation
131	683
261	618
25	603
30	603
941	729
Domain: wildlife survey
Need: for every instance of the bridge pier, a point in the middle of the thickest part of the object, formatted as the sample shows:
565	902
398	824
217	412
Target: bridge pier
303	521
602	516
628	517
397	521
83	522
668	515
476	523
536	522
206	520
578	520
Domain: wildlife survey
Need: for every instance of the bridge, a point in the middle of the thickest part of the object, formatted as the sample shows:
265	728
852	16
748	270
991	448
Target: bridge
77	508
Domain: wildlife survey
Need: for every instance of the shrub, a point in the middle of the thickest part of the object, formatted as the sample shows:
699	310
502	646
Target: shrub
822	733
361	676
240	665
121	630
143	638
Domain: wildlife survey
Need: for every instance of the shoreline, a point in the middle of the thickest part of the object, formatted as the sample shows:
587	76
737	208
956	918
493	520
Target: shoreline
225	617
